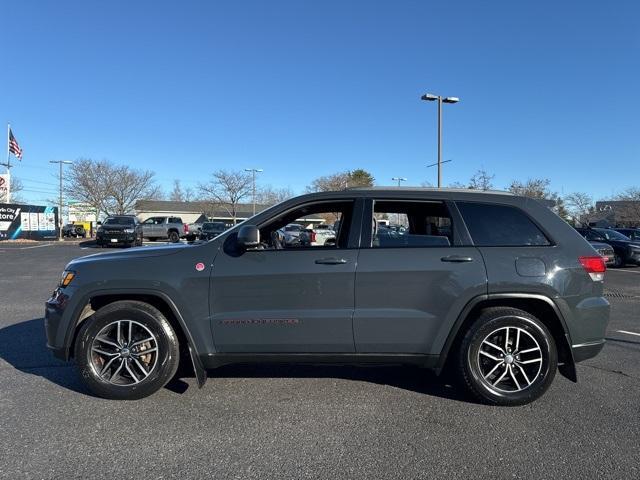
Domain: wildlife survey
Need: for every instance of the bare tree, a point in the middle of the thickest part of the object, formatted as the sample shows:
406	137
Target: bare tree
628	212
179	194
481	180
538	188
268	195
108	188
533	187
227	188
130	185
15	187
580	204
342	180
89	181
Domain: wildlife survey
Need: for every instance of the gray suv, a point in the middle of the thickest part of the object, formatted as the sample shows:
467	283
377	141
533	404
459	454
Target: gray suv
165	228
493	287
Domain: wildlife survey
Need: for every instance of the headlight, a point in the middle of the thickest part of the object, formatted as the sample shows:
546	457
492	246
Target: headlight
99	229
129	230
67	277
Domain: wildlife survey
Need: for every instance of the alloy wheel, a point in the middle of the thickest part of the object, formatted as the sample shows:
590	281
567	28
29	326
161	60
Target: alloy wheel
124	353
509	359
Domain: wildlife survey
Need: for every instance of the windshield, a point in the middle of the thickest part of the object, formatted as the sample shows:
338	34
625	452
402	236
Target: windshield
612	234
213	226
119	221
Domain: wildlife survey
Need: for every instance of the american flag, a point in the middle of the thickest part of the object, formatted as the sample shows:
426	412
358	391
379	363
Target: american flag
14	147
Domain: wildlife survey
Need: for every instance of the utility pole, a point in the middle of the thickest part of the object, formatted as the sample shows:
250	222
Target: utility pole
253	172
60	163
430	98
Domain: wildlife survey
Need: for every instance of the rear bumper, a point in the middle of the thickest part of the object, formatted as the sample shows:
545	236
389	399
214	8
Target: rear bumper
584	351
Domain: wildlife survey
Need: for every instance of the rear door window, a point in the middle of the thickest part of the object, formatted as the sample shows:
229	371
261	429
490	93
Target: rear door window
500	226
406	224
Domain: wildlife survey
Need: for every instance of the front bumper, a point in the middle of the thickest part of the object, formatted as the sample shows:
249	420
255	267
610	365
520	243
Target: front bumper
115	238
54	310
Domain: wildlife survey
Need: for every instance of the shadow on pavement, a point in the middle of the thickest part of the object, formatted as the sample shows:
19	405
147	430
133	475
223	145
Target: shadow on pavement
88	243
409	378
24	346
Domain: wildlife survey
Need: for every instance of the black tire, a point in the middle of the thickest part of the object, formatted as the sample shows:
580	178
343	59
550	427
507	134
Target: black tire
148	319
517	386
617	261
174	237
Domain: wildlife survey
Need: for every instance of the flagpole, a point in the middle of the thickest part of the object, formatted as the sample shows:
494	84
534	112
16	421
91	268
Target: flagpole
8	165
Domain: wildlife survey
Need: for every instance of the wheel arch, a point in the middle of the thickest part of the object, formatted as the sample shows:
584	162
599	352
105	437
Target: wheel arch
540	306
156	299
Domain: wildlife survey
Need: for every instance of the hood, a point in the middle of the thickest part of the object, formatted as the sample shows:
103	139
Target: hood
132	253
117	226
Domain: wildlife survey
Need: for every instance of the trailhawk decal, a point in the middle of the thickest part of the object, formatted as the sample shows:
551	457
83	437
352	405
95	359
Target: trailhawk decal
261	321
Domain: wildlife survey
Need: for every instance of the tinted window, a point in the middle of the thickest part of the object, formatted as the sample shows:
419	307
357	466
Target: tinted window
500	225
612	234
119	221
398	224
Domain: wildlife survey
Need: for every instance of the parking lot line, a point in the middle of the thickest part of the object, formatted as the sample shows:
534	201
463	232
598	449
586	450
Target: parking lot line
623	271
628	333
36	246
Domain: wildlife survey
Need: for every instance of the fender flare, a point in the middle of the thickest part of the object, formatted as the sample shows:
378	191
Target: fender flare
198	368
568	369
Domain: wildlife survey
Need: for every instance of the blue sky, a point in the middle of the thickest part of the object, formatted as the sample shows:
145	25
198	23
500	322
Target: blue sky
302	89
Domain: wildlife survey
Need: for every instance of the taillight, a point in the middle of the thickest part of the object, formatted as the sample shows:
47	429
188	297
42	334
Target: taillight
594	266
313	236
186	228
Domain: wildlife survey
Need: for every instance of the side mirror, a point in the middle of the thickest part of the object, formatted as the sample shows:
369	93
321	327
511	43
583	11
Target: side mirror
248	236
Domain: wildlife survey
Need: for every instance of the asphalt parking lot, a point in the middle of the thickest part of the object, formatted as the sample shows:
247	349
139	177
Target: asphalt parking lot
305	421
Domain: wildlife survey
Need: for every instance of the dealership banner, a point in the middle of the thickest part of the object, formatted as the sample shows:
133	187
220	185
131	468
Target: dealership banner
34	222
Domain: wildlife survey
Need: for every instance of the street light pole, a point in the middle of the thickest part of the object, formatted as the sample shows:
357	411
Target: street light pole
430	98
60	163
399	179
253	172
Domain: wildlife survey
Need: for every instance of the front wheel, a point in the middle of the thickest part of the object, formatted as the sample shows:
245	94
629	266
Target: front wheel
127	350
508	357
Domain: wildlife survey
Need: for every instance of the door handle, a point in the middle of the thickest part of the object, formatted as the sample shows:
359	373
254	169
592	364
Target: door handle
456	259
331	261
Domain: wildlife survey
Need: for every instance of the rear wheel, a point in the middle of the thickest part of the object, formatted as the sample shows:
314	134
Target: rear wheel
127	350
173	236
508	357
617	261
